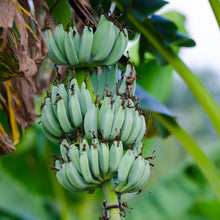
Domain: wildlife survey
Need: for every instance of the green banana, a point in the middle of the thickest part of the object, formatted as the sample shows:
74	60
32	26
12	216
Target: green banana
94	80
101	85
54	98
124	166
103	109
85	45
118	48
103	152
85	169
59	39
135	129
60	176
128	123
90	122
64	148
111	78
94	161
103	41
136	172
107	121
63	117
51	137
70	49
74	108
75	178
53	51
85	99
115	155
73	154
117	122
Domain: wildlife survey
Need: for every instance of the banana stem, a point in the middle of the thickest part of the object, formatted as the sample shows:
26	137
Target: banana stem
111	198
80	77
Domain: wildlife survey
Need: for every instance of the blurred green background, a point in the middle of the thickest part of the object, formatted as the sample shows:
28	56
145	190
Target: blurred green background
176	190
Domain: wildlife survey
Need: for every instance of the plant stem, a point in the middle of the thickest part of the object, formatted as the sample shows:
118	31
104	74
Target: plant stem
80	77
205	165
215	4
111	199
194	84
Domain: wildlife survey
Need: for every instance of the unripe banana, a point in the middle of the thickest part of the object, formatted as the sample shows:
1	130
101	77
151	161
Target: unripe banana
115	155
117	122
94	80
142	129
51	137
73	154
84	146
85	169
94	161
111	78
118	48
145	177
85	45
128	123
49	120
63	117
64	148
103	151
124	166
74	177
85	99
103	109
70	50
54	98
59	39
90	122
61	91
107	121
123	85
74	108
117	103
101	85
136	172
73	85
53	51
60	176
102	20
101	48
135	129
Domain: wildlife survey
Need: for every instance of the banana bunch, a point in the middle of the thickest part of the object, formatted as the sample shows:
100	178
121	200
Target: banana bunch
85	167
64	110
108	80
102	48
115	119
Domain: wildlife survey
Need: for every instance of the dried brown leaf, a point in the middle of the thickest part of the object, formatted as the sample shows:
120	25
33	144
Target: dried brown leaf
6	145
8	11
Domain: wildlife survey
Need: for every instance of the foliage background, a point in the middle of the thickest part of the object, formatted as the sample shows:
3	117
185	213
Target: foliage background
178	190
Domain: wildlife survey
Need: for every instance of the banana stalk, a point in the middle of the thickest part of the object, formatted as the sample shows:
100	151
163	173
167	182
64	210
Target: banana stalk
111	199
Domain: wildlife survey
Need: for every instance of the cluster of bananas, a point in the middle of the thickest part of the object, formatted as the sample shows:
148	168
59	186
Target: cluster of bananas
109	81
64	110
84	167
68	108
102	48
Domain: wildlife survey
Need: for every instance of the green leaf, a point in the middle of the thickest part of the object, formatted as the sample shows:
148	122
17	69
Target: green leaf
18	201
149	103
167	33
142	8
60	11
180	194
155	79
